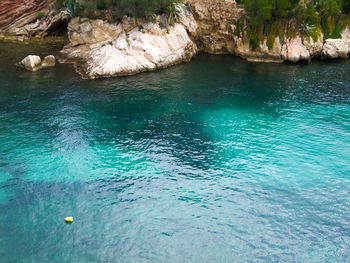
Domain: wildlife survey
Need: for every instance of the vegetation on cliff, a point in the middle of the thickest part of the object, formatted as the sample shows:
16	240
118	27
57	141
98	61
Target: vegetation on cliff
116	9
268	19
265	20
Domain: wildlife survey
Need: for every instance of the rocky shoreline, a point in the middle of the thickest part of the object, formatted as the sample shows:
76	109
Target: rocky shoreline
101	49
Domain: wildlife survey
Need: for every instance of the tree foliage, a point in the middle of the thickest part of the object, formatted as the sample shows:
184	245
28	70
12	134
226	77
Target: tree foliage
262	11
119	8
308	17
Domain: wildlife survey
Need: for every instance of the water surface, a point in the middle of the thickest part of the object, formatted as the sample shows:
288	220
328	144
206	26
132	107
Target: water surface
217	160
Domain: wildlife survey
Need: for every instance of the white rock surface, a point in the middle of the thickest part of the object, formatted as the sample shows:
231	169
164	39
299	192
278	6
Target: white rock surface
335	48
99	49
294	50
31	62
49	61
314	47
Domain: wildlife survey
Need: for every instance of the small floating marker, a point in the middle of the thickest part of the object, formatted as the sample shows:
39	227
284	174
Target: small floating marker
69	219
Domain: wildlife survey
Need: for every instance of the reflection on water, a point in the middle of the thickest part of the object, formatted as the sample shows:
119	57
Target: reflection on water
217	160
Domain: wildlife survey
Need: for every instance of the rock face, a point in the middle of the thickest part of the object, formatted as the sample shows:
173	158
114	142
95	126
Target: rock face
214	18
99	49
293	50
337	48
215	35
30	18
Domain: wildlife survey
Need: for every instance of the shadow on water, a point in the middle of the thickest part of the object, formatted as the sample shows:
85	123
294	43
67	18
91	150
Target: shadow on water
164	105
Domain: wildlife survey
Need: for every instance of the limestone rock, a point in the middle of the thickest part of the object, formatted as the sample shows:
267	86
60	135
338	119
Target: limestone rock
314	47
214	20
190	23
91	32
294	50
116	50
21	19
335	48
49	61
31	62
345	35
18	13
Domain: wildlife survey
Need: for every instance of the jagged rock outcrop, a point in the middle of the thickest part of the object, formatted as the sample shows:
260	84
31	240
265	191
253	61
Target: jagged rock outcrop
294	49
214	18
99	49
30	18
337	48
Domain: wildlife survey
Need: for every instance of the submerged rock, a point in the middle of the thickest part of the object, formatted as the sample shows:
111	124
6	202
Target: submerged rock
31	62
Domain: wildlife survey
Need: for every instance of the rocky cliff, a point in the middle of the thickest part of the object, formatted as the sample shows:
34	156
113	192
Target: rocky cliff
30	18
213	19
101	49
216	35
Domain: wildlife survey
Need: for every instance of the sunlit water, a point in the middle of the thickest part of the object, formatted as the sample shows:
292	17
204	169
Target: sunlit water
217	160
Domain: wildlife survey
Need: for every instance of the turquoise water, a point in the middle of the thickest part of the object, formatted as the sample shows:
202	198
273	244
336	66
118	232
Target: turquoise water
217	160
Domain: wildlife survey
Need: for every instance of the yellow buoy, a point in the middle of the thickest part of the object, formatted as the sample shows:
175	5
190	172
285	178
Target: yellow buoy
69	219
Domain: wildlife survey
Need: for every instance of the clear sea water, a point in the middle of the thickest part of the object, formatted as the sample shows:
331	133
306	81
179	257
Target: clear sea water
216	160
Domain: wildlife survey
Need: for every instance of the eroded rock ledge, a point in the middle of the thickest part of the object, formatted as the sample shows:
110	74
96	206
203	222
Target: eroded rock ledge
99	49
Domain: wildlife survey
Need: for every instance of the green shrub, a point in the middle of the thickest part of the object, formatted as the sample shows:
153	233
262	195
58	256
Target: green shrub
346	6
40	15
175	12
259	11
270	39
239	28
327	8
311	16
253	36
72	6
101	5
280	8
140	8
120	8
